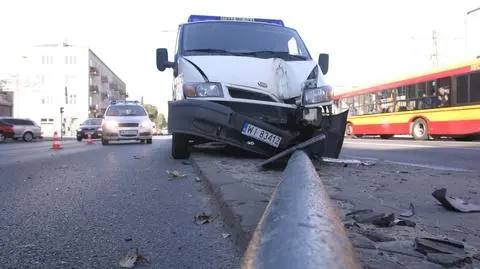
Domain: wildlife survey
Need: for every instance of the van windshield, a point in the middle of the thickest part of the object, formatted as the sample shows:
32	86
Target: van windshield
243	39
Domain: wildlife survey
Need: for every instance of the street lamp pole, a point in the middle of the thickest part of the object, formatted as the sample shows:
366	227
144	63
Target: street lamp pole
466	27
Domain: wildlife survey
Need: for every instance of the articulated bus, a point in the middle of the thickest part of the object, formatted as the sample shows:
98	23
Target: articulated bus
443	102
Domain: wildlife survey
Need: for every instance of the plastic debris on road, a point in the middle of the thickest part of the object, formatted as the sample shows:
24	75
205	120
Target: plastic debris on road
454	204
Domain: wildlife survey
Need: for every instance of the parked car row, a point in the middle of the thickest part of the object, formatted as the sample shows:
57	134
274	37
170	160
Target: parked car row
16	128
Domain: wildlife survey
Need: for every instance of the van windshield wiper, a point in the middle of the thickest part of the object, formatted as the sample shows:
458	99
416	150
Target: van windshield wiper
215	51
270	54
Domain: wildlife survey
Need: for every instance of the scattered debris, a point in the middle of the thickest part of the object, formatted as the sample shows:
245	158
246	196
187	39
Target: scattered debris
129	259
186	162
203	218
198	179
454	204
225	235
136	157
385	221
409	213
368	217
402	172
347	161
404	222
477	256
128	239
361	241
404	247
448	260
376	236
174	174
361	211
427	245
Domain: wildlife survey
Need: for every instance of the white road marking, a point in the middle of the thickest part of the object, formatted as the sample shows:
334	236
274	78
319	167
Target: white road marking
435	167
389	144
429	166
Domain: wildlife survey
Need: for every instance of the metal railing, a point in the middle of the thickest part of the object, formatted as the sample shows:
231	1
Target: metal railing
300	228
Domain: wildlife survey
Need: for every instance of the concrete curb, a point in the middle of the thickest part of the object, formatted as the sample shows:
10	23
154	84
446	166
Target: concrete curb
225	189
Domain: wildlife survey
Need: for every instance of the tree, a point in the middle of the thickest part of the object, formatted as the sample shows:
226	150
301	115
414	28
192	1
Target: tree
152	111
161	121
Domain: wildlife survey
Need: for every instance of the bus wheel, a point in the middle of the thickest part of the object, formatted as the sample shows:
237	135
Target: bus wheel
420	130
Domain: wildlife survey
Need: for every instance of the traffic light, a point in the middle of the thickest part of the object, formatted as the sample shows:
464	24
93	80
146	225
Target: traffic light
61	110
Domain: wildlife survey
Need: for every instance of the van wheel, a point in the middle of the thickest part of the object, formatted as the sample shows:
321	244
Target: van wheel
104	142
420	130
180	146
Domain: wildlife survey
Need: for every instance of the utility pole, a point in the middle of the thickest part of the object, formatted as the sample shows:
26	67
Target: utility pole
435	49
466	29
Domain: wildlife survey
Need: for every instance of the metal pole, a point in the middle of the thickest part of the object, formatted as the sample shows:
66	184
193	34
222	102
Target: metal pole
300	228
466	28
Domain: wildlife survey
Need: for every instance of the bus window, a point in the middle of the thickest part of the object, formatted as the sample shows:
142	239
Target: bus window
421	91
462	90
443	91
400	99
475	88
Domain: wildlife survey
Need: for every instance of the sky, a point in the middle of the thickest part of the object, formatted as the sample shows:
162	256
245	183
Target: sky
368	41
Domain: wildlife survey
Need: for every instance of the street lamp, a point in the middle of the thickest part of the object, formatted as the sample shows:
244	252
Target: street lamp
466	29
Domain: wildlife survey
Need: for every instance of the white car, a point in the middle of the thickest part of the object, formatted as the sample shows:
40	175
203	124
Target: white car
126	120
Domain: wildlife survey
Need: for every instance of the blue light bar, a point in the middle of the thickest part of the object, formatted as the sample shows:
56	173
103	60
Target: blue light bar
195	18
126	102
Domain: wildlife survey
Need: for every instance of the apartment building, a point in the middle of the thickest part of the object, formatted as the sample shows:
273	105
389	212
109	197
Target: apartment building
64	76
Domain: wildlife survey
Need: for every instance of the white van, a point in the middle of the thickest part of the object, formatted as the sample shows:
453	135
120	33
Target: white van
249	83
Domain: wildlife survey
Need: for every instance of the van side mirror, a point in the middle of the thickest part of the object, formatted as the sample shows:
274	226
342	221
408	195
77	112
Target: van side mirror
162	60
323	62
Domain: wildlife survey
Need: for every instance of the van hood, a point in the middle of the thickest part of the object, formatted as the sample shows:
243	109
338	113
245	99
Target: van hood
279	77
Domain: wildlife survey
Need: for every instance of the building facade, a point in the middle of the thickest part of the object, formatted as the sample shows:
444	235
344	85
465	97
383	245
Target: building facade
64	76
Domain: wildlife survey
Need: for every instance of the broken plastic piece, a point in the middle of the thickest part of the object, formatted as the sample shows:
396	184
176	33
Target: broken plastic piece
409	213
454	204
347	161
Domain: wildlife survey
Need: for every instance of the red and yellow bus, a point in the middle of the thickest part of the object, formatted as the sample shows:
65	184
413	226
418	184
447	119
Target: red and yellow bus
442	102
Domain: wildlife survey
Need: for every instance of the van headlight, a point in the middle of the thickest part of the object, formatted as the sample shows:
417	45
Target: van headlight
203	89
317	95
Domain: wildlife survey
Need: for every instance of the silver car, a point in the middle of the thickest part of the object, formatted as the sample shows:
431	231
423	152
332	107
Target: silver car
126	120
24	128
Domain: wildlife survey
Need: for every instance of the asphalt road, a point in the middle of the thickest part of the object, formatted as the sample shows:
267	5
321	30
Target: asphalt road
436	154
84	205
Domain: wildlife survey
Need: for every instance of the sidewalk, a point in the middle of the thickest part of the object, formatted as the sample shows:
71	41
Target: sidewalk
243	193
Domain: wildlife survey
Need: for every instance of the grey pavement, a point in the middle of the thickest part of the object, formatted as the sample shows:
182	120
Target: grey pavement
386	187
85	205
450	155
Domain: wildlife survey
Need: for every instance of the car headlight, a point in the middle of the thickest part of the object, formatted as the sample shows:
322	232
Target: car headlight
146	124
111	124
317	95
204	89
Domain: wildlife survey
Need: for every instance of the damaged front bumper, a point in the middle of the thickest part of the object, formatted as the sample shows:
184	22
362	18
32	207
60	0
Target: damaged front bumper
213	121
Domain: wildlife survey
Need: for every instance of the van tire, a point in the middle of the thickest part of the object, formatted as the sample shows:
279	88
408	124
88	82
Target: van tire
180	146
420	129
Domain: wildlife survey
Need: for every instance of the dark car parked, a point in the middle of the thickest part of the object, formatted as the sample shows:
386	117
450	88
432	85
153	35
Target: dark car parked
6	131
92	126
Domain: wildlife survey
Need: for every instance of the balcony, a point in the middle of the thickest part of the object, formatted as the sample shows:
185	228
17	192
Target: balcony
93	71
94	89
113	86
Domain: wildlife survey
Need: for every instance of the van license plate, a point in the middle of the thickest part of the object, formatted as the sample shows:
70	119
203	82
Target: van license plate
261	135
